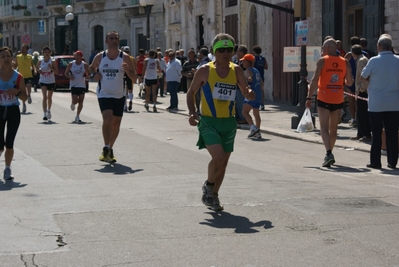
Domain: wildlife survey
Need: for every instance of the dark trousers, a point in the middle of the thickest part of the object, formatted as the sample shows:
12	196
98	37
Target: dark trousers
390	121
161	82
362	117
183	84
172	88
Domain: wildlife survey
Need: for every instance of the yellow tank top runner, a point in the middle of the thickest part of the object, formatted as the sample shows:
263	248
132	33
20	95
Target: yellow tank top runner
218	94
24	65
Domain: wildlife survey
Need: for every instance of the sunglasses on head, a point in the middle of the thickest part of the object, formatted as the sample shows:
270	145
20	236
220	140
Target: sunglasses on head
222	50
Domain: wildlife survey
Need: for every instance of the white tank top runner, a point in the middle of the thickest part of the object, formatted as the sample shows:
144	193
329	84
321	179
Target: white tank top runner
78	72
111	83
151	70
46	75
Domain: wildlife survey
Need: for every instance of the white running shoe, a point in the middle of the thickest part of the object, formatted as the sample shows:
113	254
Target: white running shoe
72	107
29	99
77	119
253	130
48	114
7	174
257	135
23	108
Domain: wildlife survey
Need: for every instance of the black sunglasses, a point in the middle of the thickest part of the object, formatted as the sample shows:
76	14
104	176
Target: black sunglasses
222	50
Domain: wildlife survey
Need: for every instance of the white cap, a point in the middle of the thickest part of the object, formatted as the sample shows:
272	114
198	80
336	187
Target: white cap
126	48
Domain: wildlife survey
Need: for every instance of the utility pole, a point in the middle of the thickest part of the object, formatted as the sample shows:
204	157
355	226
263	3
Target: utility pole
303	73
303	82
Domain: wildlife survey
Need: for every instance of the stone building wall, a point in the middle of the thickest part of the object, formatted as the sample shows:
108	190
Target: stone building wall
392	21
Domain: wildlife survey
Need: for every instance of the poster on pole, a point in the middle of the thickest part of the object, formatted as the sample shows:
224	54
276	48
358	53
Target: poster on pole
301	32
292	58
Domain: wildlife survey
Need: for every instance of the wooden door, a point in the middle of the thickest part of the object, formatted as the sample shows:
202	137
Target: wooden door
373	14
332	19
283	31
231	26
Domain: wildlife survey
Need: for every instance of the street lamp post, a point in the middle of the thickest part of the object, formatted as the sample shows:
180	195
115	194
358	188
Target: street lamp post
303	83
148	6
69	17
303	72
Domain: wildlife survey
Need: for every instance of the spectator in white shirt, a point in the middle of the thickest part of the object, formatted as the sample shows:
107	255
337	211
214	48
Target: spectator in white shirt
173	77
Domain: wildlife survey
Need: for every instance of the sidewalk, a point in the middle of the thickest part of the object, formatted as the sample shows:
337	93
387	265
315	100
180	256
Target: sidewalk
276	120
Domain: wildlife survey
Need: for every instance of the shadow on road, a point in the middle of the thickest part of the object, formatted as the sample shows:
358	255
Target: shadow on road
47	122
340	168
10	184
240	224
117	169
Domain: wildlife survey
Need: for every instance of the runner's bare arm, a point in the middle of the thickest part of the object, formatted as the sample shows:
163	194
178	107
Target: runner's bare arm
199	79
94	67
55	67
144	67
87	69
315	78
20	91
243	84
159	67
128	67
67	70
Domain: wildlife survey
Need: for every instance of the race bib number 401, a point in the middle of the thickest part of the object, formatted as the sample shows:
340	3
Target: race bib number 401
223	91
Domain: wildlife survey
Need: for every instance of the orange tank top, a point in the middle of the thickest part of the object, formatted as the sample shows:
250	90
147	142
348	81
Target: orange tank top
331	80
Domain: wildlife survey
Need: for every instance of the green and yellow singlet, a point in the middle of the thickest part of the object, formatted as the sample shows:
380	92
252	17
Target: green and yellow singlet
218	94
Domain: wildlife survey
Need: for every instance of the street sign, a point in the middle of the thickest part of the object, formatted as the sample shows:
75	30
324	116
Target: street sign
26	39
292	58
301	32
62	22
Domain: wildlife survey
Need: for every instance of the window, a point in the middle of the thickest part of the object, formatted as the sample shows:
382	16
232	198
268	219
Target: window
230	3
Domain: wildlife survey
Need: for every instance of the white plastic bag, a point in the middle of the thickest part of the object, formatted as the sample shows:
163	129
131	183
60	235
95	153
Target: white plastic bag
306	123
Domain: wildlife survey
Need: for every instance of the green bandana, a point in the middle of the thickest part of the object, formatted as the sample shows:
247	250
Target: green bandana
222	44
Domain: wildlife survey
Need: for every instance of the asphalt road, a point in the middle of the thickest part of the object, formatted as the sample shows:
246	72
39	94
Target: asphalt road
66	208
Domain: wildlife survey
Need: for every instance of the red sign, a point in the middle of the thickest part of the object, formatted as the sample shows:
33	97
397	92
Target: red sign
26	39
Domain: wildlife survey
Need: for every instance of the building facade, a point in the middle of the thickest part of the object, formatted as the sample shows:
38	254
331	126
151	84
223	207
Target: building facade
42	23
24	22
188	24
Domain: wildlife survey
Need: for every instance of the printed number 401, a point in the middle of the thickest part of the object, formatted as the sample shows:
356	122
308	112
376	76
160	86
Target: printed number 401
224	91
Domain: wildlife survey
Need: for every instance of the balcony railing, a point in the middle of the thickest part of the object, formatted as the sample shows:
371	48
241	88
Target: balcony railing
58	2
7	13
21	14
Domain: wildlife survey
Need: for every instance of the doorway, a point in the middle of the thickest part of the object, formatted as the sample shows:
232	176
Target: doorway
355	23
142	41
99	37
200	37
283	31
